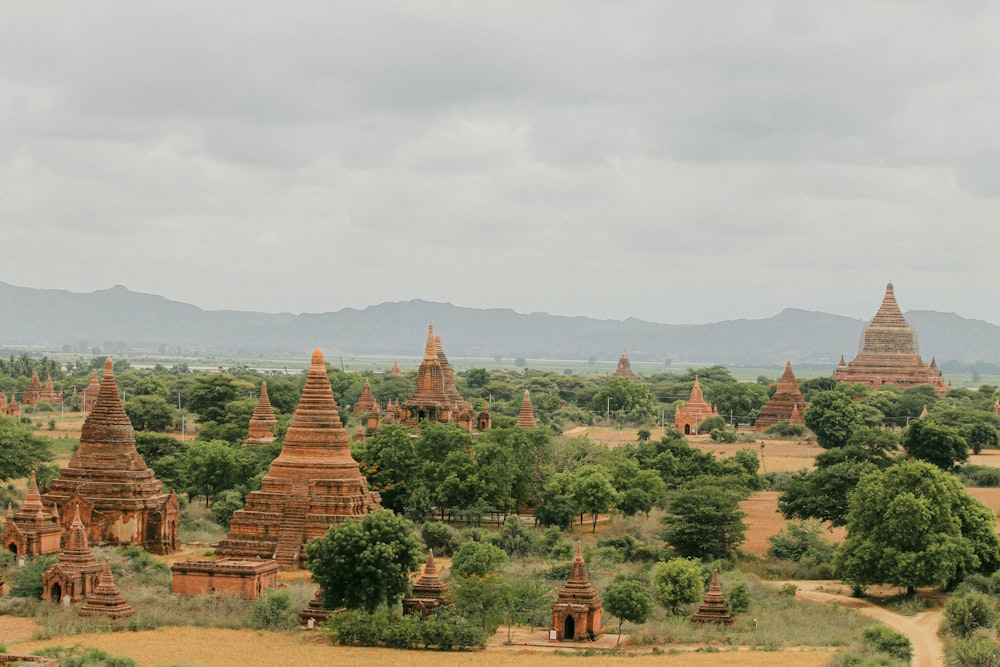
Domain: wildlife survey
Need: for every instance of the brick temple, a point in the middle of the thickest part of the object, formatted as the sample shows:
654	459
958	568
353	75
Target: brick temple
786	404
436	398
33	530
76	574
428	591
624	369
36	393
577	612
106	600
260	431
526	416
366	402
245	578
89	395
312	484
694	411
890	353
713	607
118	496
10	408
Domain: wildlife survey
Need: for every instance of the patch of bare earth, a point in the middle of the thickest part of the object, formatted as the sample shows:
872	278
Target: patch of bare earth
209	647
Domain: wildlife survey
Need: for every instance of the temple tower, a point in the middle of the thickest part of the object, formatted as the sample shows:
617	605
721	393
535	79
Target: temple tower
889	353
577	612
76	573
366	402
428	591
784	403
32	530
713	608
33	393
624	369
262	421
107	600
119	498
526	417
90	393
693	412
312	484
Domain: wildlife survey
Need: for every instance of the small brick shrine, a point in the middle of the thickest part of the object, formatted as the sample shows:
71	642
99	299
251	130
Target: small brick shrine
106	600
76	574
713	608
262	421
624	369
32	530
428	591
246	578
577	613
694	411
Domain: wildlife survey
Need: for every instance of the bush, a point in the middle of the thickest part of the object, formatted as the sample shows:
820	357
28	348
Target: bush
478	558
273	611
711	424
739	598
727	435
975	652
974	475
79	656
444	630
784	430
888	641
801	541
225	504
632	550
965	614
26	582
440	537
517	539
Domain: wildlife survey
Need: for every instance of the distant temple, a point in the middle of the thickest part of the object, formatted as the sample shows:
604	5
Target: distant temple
694	411
76	574
428	591
577	612
395	371
526	417
313	484
262	421
12	408
889	353
787	404
119	498
366	402
89	394
36	393
436	398
624	369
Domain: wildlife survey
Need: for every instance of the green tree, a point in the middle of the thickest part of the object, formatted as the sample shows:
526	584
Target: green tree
214	466
801	541
593	492
149	413
823	494
478	559
742	400
628	601
704	519
365	563
390	464
980	436
676	582
913	525
20	449
621	394
554	504
927	440
833	417
210	394
964	614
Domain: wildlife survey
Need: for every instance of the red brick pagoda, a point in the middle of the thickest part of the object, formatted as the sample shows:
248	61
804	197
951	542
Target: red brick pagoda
889	353
90	393
76	574
624	369
313	484
32	530
395	370
786	402
107	600
577	612
262	421
366	402
428	591
693	412
436	398
713	608
119	498
526	417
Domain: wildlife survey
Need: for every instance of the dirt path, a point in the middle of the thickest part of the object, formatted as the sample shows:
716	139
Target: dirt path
921	629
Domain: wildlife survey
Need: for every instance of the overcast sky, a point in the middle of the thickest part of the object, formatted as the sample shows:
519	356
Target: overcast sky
680	162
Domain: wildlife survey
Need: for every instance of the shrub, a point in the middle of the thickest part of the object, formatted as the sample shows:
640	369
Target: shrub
801	541
273	611
965	614
225	504
739	598
26	582
976	651
784	430
727	435
517	539
788	590
711	424
975	475
478	558
79	656
889	641
440	537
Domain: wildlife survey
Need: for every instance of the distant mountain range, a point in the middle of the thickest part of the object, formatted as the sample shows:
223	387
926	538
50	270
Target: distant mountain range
57	318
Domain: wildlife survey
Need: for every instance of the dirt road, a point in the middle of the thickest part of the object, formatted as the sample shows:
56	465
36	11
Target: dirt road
921	629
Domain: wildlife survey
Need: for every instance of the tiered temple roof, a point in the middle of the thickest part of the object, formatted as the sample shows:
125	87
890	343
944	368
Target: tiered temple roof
365	402
890	353
119	497
577	612
526	417
76	573
12	408
312	484
395	371
624	369
693	412
90	393
262	421
436	398
32	394
484	420
786	402
107	600
428	591
713	608
32	530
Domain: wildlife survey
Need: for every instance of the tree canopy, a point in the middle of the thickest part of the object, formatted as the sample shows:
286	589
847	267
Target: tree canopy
20	449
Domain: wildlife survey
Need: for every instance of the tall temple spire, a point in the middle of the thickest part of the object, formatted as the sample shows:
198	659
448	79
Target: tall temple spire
262	421
783	405
526	417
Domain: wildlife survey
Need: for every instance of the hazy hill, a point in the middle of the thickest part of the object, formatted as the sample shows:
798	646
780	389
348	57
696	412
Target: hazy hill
57	317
